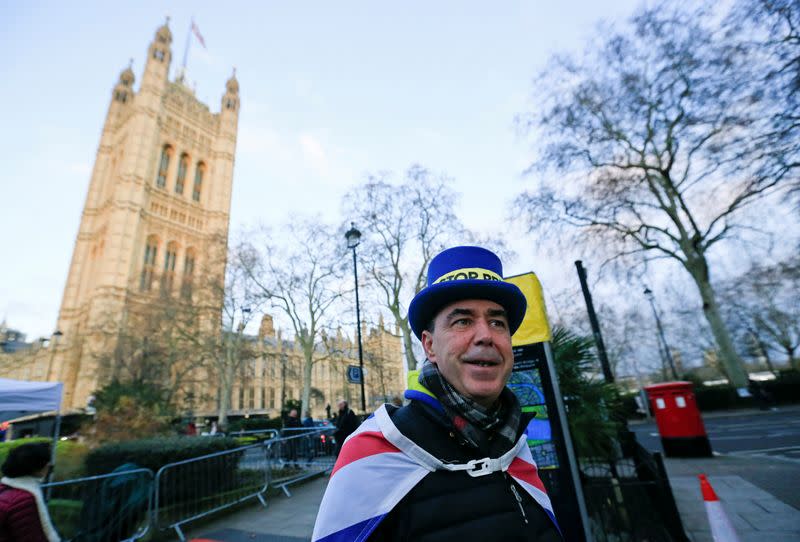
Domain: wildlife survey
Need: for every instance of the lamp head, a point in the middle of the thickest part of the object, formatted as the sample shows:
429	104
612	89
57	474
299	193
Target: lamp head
353	236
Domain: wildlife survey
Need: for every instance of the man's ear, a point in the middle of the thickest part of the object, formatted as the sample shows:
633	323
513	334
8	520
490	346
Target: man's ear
427	345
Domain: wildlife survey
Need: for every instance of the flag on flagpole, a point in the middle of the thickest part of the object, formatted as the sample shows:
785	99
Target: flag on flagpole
198	35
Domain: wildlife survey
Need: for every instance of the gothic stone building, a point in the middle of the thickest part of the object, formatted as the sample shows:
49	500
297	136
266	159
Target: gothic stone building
275	375
156	211
156	215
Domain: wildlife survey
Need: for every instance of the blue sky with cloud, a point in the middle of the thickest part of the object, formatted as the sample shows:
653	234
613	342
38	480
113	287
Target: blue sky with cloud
330	91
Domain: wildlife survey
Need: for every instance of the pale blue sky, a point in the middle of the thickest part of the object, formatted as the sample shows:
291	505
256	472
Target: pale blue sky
330	91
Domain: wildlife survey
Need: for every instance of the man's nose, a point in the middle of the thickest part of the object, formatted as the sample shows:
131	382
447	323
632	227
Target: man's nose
483	332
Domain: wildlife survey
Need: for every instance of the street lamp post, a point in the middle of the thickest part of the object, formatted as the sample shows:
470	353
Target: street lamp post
667	354
353	237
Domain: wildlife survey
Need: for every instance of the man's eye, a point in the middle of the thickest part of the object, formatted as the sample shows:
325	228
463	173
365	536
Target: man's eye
499	323
461	322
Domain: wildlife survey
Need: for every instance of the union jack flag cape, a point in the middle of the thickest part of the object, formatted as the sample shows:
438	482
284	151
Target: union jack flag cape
378	466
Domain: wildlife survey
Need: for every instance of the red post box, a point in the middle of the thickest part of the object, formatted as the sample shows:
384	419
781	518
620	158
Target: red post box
678	418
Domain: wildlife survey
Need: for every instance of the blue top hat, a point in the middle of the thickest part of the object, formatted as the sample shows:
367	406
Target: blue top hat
465	273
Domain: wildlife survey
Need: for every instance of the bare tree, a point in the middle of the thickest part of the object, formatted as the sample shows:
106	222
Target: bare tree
226	344
301	278
405	225
644	133
762	305
769	31
162	339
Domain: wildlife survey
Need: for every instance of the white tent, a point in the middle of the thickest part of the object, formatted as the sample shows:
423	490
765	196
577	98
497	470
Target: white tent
20	397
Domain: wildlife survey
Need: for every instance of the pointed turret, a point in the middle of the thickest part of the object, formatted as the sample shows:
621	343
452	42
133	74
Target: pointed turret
123	91
159	56
230	101
229	112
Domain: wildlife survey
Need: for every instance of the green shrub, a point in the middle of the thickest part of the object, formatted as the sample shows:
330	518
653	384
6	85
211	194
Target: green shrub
783	390
70	456
629	407
154	453
65	513
70	460
786	388
186	482
254	423
593	407
719	398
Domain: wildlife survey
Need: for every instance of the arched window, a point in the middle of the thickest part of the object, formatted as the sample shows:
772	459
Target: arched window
168	278
189	262
148	269
163	166
199	173
183	165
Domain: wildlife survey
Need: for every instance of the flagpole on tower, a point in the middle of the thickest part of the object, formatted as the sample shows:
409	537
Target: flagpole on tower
182	75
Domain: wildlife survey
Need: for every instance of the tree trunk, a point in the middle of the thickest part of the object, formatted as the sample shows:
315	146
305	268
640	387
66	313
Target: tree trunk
408	343
791	358
308	364
405	330
283	383
734	366
226	391
764	353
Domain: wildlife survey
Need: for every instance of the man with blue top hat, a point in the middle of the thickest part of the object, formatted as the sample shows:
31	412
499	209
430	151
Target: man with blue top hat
453	464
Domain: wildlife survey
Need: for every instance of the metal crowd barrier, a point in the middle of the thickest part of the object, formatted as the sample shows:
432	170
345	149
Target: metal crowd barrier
300	453
108	507
122	506
193	488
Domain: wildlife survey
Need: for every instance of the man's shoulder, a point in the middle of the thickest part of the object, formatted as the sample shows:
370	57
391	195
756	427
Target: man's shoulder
422	423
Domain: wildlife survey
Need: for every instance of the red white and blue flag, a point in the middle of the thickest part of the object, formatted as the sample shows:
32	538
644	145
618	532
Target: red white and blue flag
378	466
198	35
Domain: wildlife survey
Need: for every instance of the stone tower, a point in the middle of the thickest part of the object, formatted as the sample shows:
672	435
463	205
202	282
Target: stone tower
156	211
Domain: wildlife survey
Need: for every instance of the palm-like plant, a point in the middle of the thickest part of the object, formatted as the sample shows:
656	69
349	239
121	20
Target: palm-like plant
591	404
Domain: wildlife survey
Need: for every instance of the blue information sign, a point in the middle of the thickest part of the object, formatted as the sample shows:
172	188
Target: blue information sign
354	374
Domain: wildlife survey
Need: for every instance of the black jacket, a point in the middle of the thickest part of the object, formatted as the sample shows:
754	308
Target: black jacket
346	423
454	506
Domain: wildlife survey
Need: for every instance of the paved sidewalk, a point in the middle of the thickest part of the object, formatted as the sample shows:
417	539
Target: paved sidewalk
285	519
755	512
758	495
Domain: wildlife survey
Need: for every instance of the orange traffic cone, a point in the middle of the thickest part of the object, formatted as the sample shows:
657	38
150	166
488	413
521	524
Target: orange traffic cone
721	528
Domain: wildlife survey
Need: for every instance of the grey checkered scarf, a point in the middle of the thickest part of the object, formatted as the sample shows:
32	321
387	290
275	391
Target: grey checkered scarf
488	429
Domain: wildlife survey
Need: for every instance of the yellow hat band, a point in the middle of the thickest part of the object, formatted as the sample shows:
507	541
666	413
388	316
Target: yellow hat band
469	273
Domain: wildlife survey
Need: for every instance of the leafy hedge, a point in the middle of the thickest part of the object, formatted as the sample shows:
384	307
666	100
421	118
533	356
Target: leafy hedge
70	456
785	389
154	453
254	423
188	482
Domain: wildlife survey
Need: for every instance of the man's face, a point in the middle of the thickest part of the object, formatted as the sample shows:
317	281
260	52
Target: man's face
293	413
471	345
341	405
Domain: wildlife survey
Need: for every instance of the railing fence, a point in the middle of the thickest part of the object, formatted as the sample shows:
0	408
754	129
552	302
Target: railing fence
110	507
126	505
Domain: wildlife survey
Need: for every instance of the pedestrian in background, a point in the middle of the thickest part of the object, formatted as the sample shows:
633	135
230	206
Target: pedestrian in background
292	421
23	511
346	423
310	439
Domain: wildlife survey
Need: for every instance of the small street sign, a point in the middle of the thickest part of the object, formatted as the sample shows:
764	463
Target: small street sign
354	374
